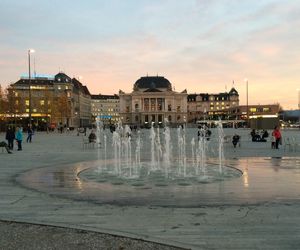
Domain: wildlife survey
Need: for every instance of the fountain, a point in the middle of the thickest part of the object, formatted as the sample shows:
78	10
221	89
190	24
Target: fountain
191	165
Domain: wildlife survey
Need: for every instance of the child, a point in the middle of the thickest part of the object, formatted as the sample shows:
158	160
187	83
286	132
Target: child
273	140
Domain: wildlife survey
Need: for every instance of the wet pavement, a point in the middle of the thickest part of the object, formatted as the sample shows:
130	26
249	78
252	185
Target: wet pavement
258	210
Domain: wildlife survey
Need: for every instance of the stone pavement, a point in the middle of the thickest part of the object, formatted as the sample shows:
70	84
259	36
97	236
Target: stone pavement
261	219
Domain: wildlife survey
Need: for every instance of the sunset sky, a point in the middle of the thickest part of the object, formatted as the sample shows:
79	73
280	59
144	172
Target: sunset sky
201	46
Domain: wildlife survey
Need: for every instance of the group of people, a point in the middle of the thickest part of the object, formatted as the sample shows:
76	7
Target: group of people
276	138
203	132
259	137
12	135
256	137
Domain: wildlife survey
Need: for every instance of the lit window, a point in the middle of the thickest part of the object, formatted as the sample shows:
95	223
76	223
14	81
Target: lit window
42	102
27	102
34	110
27	110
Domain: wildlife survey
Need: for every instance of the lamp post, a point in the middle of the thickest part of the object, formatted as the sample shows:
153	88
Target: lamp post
247	104
298	91
29	85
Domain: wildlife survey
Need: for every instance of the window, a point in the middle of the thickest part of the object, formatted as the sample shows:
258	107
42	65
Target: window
169	107
160	104
178	108
153	118
252	109
159	118
153	104
146	104
27	102
42	102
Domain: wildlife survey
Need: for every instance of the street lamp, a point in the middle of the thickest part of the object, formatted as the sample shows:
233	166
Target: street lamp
247	104
29	85
298	90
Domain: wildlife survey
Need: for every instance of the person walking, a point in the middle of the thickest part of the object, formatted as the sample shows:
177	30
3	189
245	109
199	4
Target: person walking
19	137
277	134
29	134
10	136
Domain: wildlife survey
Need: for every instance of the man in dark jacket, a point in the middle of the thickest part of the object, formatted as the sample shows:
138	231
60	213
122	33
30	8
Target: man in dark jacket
10	136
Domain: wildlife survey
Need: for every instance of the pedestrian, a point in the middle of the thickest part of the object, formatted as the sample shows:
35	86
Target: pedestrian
19	137
92	137
235	140
29	134
10	136
276	133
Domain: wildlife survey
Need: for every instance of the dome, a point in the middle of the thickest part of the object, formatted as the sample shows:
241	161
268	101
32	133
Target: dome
152	82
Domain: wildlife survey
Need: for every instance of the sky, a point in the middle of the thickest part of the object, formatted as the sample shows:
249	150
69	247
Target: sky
204	46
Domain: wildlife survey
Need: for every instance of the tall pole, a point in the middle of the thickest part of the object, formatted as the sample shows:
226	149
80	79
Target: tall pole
247	104
29	87
29	84
298	90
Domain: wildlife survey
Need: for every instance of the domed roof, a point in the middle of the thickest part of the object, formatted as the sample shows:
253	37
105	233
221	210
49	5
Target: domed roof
152	82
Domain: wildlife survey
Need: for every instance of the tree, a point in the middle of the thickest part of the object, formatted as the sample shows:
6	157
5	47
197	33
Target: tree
62	108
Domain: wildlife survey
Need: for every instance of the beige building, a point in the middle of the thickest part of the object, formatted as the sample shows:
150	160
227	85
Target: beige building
153	100
106	108
55	100
211	106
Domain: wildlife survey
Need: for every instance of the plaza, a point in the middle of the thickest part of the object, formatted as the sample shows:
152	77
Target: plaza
259	209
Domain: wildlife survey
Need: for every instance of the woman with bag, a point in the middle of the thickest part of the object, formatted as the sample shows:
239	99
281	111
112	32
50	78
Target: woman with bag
276	133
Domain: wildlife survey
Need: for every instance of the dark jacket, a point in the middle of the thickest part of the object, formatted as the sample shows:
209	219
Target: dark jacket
10	134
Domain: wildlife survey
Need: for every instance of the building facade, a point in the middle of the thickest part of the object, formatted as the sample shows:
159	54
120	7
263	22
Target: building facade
211	106
53	101
153	101
106	108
